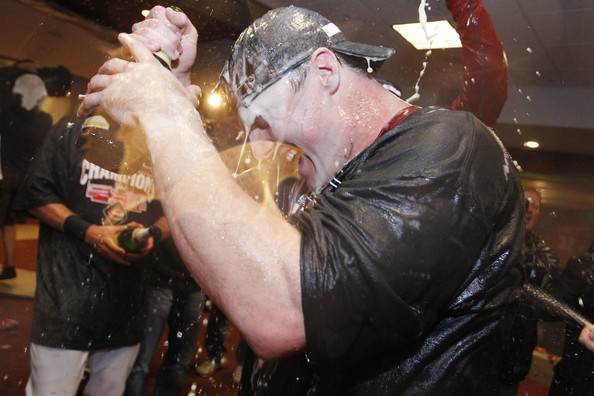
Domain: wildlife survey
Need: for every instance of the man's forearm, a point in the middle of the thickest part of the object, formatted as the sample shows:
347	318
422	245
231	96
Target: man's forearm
52	214
232	245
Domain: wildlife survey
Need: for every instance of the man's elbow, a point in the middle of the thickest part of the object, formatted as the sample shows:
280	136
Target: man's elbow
269	344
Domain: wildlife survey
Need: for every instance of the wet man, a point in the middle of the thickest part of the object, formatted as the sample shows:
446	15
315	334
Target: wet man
396	278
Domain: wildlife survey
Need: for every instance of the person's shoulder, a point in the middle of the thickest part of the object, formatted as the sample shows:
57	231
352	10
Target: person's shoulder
437	120
68	124
533	238
42	120
64	132
443	130
69	118
46	116
440	114
582	261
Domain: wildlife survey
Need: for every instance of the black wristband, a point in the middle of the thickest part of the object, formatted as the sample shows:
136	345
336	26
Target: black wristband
156	232
76	226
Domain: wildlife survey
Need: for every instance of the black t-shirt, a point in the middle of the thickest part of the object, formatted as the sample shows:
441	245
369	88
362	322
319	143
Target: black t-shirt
84	301
22	133
407	267
573	375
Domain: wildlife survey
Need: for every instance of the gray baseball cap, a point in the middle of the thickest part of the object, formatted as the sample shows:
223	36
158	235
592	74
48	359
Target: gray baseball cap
280	41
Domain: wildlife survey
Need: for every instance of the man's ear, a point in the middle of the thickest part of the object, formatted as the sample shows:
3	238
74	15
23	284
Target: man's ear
327	67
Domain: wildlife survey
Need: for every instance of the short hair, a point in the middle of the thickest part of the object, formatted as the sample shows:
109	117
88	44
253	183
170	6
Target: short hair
297	76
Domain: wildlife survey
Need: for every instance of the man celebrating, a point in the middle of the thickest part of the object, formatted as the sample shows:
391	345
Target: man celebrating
396	278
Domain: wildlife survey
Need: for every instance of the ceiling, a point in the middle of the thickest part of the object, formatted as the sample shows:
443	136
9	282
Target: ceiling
549	46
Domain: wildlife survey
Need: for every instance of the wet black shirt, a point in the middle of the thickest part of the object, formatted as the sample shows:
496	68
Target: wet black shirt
22	134
406	268
574	375
21	131
82	300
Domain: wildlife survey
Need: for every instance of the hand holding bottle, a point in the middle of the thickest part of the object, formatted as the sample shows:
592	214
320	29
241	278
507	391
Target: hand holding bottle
119	148
170	31
104	240
129	89
135	239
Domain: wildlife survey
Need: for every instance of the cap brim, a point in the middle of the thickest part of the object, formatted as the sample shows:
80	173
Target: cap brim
373	52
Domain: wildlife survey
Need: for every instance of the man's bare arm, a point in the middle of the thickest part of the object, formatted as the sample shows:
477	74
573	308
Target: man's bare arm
245	257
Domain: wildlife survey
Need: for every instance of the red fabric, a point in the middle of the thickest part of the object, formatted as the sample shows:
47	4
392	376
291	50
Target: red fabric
484	91
397	119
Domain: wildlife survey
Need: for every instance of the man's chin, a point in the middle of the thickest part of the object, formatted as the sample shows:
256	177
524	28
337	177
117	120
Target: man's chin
307	171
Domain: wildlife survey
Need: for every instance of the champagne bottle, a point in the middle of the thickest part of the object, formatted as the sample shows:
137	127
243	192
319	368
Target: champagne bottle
112	146
99	141
134	239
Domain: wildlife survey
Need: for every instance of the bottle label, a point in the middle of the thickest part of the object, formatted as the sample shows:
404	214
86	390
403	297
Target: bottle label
96	121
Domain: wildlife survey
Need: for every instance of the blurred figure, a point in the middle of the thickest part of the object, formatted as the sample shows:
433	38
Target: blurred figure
574	374
57	80
214	343
88	307
541	269
23	127
174	300
8	75
540	261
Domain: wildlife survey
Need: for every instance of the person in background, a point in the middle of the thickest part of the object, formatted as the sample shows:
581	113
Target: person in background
574	374
541	262
175	300
90	293
484	64
396	277
8	75
23	127
214	343
541	269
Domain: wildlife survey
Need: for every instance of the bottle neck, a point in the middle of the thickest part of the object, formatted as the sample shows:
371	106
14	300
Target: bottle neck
163	59
140	235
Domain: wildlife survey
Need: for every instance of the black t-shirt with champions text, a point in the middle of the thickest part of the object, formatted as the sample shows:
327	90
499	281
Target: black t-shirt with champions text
82	300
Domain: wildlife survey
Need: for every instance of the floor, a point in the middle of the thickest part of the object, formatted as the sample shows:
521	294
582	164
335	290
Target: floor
16	303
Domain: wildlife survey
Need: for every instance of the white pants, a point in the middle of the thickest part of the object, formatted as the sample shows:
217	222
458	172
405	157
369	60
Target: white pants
58	372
